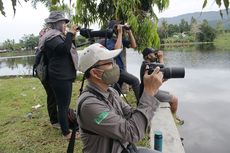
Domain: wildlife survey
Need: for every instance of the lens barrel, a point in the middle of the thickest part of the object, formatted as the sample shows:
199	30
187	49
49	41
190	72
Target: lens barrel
173	72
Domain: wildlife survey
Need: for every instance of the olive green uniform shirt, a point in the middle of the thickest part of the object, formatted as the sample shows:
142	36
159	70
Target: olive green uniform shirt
113	120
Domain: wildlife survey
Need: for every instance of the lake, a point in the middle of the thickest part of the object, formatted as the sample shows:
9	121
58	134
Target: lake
204	93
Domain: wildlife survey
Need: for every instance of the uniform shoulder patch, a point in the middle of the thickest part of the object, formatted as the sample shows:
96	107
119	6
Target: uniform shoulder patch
101	117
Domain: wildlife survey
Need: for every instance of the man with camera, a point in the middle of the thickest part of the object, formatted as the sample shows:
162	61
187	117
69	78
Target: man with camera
151	56
107	123
116	42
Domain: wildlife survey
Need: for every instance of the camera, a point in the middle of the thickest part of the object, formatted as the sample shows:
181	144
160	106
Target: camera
88	33
168	72
126	27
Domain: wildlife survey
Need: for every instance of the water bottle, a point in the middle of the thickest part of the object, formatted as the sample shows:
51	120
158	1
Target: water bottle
158	140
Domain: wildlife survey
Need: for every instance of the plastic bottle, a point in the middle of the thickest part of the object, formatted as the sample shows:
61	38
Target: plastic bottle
158	140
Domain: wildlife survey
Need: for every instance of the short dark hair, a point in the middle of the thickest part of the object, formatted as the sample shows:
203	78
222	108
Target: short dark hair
147	51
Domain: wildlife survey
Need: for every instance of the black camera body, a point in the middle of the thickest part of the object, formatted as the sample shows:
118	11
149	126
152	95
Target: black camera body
168	72
88	33
126	27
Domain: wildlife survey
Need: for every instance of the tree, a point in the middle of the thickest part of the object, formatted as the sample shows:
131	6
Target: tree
207	33
29	41
195	28
9	45
184	26
220	27
164	26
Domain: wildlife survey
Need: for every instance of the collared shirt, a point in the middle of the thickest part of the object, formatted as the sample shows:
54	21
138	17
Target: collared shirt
113	120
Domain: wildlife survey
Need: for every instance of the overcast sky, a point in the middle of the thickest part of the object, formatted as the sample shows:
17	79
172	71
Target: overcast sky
30	21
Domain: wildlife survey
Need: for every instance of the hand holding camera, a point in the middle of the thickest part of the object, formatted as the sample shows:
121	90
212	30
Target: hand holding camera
119	28
74	30
159	54
152	81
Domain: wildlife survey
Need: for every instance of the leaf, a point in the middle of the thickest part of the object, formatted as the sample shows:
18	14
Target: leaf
226	4
2	8
218	2
204	4
14	3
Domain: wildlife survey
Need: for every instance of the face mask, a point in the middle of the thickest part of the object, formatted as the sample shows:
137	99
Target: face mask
111	76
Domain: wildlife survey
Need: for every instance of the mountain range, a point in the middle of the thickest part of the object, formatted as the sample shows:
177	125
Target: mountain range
213	17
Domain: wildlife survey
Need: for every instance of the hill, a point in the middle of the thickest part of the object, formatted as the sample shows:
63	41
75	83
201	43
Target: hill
213	17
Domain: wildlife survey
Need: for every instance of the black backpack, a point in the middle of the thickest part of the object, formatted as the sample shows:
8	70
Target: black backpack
40	67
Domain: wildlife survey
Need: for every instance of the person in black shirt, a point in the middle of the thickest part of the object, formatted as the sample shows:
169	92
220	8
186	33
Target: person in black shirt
59	48
149	56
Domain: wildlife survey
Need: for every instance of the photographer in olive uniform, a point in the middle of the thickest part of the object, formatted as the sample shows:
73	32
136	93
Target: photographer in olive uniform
107	123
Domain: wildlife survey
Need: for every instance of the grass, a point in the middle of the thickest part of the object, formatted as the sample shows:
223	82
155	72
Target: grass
19	134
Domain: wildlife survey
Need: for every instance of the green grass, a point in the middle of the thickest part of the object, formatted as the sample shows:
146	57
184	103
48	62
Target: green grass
222	41
18	133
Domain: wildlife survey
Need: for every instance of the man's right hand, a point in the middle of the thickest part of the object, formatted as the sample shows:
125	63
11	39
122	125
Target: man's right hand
119	28
153	81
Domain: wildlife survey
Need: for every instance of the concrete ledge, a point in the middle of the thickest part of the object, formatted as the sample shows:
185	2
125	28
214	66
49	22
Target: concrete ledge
164	122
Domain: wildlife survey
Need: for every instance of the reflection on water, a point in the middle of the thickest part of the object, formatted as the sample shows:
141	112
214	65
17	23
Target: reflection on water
19	65
204	99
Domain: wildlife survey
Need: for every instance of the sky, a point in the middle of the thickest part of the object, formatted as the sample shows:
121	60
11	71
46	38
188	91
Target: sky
30	21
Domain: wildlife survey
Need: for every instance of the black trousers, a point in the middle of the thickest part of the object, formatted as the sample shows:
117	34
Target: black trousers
51	103
62	90
130	80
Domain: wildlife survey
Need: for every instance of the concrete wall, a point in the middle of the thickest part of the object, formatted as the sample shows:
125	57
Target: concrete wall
164	122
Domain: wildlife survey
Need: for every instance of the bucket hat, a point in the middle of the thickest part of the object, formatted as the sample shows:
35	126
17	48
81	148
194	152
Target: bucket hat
56	16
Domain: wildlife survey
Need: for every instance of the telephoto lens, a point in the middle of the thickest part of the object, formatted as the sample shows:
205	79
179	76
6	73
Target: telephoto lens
173	72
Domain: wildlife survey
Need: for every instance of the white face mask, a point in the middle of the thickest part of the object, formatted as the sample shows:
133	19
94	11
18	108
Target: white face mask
60	25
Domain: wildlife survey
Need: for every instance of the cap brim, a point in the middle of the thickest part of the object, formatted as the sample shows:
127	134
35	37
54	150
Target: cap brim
110	54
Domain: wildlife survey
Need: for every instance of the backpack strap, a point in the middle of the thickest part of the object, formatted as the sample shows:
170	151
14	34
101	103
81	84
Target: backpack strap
70	148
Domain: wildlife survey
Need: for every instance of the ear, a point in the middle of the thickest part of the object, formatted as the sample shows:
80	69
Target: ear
96	74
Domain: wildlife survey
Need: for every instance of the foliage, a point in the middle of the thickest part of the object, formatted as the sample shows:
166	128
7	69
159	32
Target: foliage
138	13
80	40
14	4
166	30
184	26
219	27
29	41
207	33
9	44
219	3
222	41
